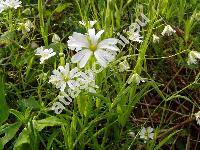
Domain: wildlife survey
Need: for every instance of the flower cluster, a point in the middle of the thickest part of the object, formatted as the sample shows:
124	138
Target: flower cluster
90	51
167	31
193	56
6	4
73	81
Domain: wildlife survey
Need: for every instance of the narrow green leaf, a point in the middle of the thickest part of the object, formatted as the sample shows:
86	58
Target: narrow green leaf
4	111
9	130
48	122
22	139
165	140
17	114
61	7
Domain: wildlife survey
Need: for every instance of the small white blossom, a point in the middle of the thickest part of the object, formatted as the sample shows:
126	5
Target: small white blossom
26	27
135	36
63	77
2	6
123	66
87	81
44	53
55	38
192	57
13	3
155	38
168	30
197	115
89	45
90	24
136	78
146	133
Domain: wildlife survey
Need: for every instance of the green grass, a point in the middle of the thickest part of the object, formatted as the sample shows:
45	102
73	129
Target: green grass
167	101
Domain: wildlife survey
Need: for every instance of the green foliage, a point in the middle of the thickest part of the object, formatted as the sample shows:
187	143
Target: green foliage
4	111
101	120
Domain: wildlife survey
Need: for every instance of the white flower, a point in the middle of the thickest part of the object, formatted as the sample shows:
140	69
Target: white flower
13	3
168	30
146	133
155	38
123	66
55	38
135	36
197	115
192	57
44	53
87	81
26	27
90	24
89	44
2	6
63	77
136	78
9	4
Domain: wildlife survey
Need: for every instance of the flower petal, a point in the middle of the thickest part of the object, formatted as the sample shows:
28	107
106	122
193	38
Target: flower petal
109	41
85	58
100	59
111	48
78	56
91	33
74	73
151	135
97	36
103	57
77	41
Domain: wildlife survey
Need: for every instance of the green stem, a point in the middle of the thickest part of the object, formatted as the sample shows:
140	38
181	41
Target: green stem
62	56
42	25
10	20
80	11
142	52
